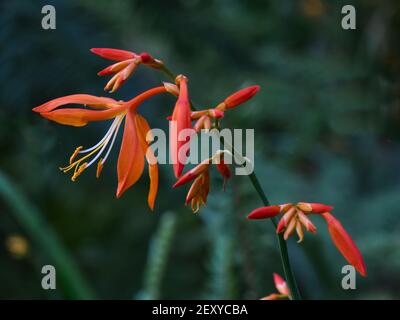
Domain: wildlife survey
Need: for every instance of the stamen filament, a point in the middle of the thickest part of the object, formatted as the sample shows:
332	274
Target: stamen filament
98	148
112	142
110	130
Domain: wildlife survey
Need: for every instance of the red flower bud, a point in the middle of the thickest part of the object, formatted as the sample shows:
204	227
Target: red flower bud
264	212
345	244
114	54
240	97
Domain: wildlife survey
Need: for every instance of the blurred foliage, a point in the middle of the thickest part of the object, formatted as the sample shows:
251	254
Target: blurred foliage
326	127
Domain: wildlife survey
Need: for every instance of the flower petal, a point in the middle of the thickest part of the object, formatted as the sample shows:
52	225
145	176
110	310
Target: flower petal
285	219
264	212
80	117
290	229
131	156
143	129
306	222
85	99
345	244
114	54
299	231
114	68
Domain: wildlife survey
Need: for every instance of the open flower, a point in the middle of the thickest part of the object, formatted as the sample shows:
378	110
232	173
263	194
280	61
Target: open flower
295	217
134	147
126	65
200	187
180	121
281	286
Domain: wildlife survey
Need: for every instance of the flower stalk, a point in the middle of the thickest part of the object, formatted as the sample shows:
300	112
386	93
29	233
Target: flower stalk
289	275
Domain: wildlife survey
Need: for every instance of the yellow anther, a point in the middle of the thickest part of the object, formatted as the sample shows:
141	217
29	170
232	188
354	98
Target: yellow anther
99	168
76	152
78	172
195	205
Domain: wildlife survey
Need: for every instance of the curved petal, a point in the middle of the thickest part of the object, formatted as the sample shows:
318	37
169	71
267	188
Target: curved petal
114	68
288	216
153	175
131	156
80	117
345	244
113	54
143	128
85	99
264	212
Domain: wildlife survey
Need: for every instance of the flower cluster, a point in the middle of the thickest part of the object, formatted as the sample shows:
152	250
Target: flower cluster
136	149
295	217
135	146
200	187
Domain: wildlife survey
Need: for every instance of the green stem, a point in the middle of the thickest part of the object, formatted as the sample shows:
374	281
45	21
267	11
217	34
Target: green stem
291	281
168	73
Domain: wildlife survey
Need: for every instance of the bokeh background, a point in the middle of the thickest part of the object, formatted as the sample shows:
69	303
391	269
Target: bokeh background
327	129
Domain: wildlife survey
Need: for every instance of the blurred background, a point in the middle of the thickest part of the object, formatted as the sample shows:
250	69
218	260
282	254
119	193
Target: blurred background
327	129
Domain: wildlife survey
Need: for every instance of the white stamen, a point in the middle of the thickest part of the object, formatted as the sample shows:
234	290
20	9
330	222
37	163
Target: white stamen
112	143
112	135
106	136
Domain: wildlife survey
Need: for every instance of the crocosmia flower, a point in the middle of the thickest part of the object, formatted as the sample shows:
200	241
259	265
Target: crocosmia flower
200	175
281	286
295	218
134	146
127	63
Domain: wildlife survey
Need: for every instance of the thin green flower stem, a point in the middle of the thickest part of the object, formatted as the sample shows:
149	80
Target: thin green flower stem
289	275
291	280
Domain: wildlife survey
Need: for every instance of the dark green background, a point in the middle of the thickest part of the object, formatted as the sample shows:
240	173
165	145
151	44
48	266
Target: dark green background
327	129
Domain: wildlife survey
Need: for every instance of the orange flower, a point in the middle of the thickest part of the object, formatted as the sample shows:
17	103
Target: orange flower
200	187
282	288
125	67
181	119
238	98
295	218
134	147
